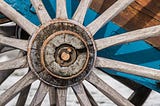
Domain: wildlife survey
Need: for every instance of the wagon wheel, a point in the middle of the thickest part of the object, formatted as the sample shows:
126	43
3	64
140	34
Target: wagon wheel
61	53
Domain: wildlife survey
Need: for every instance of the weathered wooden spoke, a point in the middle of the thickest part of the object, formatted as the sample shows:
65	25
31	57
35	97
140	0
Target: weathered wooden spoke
128	68
40	95
13	64
80	13
12	14
65	44
107	90
91	99
140	34
81	95
108	15
23	96
61	11
4	75
41	11
61	97
16	88
139	91
52	96
17	43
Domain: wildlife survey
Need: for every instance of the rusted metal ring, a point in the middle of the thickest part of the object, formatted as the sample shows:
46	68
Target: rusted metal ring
52	37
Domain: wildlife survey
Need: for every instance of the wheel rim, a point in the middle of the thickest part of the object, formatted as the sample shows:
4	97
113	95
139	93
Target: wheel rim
79	89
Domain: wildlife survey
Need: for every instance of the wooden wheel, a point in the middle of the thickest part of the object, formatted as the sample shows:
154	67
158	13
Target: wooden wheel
61	53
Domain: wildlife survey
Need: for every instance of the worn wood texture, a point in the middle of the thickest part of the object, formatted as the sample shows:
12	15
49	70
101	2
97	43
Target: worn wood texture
128	68
81	95
52	96
140	14
17	43
40	95
108	15
91	99
16	88
61	96
140	34
13	15
80	13
107	90
61	11
13	64
41	11
23	96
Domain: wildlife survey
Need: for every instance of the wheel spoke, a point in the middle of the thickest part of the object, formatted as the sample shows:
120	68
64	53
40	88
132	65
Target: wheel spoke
91	99
128	68
23	96
128	37
81	95
13	64
80	13
61	97
61	11
16	88
108	15
107	90
52	96
17	43
41	11
4	75
40	95
12	14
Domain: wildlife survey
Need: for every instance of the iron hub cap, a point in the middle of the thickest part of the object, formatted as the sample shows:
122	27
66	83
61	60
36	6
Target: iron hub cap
61	53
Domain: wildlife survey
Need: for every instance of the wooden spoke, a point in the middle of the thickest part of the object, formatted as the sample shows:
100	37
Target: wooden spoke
13	64
12	14
7	49
16	88
40	95
61	97
128	37
61	10
52	96
80	13
108	15
107	90
17	43
23	96
81	95
91	99
128	68
41	11
4	75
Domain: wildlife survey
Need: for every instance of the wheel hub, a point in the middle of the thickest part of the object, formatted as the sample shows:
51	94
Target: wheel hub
61	53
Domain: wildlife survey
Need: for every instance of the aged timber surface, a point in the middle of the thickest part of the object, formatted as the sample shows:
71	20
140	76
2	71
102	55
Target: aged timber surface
140	14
